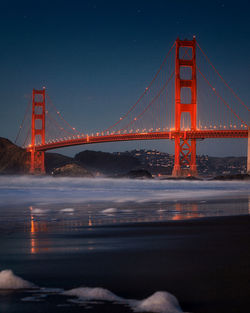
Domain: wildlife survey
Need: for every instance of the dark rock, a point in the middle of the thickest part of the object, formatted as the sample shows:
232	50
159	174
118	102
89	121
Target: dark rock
72	170
142	174
233	177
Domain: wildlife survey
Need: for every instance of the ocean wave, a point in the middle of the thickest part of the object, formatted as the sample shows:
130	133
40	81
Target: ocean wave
49	190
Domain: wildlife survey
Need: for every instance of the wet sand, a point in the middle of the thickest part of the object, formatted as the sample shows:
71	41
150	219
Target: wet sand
205	263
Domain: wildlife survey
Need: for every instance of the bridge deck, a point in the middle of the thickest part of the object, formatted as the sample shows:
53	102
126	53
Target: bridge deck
199	134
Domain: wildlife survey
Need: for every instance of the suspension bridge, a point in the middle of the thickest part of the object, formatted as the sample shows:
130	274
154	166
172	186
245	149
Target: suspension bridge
186	101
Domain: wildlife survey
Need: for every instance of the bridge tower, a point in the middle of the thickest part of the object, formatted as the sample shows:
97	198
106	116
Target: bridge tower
37	130
185	150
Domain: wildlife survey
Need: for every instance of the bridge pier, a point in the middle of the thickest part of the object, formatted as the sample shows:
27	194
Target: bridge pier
37	162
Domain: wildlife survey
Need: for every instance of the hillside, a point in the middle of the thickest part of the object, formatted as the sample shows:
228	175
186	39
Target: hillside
108	163
14	160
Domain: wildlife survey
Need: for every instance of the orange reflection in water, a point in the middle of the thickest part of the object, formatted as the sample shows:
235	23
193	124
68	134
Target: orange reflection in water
35	228
192	207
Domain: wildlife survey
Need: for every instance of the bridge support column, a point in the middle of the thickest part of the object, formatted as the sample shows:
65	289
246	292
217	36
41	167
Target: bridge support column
248	153
185	149
177	167
37	132
37	162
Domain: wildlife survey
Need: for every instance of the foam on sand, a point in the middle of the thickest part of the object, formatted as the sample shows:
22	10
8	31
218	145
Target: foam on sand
159	302
86	293
8	280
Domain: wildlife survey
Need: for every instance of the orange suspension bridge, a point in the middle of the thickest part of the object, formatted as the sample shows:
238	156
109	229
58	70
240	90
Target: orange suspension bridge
171	107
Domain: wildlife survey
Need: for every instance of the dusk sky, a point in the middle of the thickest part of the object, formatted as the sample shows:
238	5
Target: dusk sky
95	58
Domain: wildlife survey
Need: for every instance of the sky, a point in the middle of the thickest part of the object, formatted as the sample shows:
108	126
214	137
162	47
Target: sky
96	57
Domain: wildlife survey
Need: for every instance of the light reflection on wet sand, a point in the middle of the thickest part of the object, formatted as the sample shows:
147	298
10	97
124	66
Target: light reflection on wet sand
44	221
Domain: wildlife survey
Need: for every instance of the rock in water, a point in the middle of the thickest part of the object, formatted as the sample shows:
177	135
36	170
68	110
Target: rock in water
72	170
141	174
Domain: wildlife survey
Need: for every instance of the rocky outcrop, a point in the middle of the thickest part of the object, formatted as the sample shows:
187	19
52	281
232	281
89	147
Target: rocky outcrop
72	170
138	174
233	177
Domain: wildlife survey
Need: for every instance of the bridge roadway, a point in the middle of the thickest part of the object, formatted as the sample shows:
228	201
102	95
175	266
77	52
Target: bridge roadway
198	134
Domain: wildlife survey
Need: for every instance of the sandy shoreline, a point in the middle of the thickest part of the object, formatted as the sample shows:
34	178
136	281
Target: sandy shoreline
205	262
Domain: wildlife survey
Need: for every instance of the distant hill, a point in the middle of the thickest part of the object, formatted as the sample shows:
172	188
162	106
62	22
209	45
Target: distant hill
56	160
15	160
157	162
107	163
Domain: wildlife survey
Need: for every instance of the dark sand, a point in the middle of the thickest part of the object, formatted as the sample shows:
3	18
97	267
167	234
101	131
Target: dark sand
205	263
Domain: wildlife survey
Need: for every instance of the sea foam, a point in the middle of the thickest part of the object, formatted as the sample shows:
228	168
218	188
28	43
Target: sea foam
87	293
8	280
159	302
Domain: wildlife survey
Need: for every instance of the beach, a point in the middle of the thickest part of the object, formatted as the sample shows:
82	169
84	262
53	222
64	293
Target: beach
124	256
204	263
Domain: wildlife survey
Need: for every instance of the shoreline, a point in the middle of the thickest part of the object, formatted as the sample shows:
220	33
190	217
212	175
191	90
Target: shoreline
204	262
